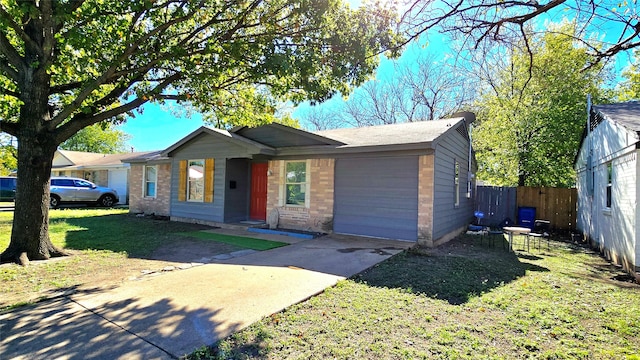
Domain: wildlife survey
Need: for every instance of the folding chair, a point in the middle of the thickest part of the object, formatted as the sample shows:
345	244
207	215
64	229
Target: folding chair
540	231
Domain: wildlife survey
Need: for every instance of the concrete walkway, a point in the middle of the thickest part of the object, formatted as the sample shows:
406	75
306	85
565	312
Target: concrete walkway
172	314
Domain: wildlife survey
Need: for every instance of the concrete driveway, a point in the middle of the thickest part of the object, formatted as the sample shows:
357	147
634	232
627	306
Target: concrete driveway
172	314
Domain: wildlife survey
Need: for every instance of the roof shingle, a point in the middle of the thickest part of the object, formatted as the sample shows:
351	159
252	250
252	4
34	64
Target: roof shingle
626	114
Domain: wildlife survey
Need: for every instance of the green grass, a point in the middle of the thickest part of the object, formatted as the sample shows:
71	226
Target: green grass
112	230
241	241
108	246
462	301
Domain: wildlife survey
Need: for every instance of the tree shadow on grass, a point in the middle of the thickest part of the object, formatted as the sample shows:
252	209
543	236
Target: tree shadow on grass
66	327
454	273
138	237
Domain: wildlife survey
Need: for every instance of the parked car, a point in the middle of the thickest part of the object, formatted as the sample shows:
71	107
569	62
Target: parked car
8	188
66	190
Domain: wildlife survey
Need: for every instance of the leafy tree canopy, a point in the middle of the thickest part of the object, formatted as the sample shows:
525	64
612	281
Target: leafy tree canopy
101	58
531	119
102	138
630	88
66	65
8	155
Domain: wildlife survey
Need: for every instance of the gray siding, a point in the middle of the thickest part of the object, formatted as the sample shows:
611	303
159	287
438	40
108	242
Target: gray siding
237	199
446	216
377	197
202	147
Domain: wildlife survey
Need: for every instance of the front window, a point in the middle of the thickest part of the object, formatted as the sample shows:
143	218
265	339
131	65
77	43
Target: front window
195	180
296	183
609	183
150	180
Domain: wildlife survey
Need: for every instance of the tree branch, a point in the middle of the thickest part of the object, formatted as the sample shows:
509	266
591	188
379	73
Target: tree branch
10	128
67	8
48	29
129	51
8	70
12	56
82	120
6	91
17	28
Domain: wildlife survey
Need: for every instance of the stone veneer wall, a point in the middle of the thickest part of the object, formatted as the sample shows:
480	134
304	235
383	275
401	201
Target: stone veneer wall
158	205
319	215
425	200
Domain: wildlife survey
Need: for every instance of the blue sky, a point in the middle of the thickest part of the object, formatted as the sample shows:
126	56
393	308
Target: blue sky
158	128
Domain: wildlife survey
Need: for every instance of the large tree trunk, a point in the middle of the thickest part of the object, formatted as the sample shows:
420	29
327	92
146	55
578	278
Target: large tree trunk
30	234
36	146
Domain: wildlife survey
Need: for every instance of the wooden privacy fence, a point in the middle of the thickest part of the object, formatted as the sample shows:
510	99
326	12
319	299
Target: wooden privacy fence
557	205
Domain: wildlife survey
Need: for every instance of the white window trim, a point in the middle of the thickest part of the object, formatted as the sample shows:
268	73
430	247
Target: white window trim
189	183
144	182
606	210
456	184
283	184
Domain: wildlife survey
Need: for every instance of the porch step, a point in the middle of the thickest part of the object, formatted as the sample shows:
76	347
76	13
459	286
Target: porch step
281	232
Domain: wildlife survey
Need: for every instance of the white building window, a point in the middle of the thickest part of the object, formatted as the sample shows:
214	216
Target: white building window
296	183
608	196
150	180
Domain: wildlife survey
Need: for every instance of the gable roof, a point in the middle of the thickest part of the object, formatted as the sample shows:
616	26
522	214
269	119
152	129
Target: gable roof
150	156
420	132
223	134
78	157
626	114
277	136
85	160
281	140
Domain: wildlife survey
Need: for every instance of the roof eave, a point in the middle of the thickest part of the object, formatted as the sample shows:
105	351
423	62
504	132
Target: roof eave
349	149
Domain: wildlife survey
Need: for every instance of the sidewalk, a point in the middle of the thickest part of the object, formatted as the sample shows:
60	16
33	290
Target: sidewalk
172	314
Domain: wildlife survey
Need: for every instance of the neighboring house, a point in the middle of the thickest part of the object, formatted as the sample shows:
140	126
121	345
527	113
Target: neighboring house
408	181
110	170
150	183
608	174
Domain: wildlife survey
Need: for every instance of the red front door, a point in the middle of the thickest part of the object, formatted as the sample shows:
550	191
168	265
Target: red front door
258	210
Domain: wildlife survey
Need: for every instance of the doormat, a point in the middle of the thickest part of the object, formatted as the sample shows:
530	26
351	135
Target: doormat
241	241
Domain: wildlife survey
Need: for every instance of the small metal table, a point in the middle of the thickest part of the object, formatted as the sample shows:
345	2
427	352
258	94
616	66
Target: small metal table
516	230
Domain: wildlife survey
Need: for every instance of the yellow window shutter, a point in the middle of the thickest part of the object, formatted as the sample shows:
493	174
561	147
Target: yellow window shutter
182	182
209	167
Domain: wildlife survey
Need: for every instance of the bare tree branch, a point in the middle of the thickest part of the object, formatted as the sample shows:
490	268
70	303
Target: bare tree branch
496	20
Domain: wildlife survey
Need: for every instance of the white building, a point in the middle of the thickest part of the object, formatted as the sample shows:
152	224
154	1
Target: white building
608	181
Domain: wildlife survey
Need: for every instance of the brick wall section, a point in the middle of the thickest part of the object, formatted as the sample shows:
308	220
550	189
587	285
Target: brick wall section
319	215
140	204
322	186
99	177
425	200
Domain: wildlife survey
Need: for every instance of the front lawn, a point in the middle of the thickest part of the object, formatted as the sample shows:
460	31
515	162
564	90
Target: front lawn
108	246
462	300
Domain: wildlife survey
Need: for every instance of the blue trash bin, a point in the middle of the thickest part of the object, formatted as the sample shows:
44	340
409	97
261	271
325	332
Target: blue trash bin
526	216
